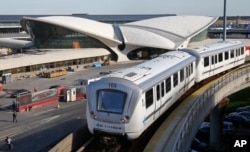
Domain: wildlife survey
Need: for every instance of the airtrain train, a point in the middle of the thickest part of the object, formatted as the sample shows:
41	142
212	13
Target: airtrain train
128	101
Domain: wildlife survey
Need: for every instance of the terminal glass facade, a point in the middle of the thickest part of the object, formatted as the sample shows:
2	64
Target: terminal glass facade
199	37
145	53
51	36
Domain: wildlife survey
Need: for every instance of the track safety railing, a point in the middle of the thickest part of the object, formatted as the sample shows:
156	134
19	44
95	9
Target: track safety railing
203	105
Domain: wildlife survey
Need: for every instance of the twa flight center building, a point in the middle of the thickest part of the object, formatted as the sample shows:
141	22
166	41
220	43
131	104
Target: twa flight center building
59	41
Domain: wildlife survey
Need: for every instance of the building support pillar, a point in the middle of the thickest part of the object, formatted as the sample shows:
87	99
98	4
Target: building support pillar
216	126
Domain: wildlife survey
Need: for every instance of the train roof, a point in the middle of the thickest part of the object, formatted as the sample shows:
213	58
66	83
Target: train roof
148	73
215	48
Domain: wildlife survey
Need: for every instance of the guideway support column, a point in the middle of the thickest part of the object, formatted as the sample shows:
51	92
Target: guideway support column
216	130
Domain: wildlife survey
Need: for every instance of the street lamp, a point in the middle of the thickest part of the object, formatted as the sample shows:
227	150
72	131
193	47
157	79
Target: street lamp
224	21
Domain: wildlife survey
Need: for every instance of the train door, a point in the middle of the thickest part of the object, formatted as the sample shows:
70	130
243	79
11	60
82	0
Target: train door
187	78
209	66
232	56
237	56
215	65
212	65
157	100
150	106
184	81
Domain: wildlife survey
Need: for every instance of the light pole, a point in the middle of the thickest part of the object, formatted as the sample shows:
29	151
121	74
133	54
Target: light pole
224	21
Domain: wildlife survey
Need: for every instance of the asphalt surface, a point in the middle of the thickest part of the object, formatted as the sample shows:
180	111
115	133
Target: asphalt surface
40	128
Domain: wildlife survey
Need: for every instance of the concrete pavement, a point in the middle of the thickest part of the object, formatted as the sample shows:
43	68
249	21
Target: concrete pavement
8	128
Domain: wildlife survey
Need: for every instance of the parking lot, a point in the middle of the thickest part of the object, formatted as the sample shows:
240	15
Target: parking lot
236	127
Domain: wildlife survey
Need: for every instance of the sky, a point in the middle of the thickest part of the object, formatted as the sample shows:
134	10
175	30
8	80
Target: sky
107	7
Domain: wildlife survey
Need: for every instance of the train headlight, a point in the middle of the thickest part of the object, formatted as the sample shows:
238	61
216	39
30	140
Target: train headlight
122	120
125	119
93	115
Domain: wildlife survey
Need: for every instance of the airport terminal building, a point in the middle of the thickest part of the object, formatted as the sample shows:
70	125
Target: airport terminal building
61	41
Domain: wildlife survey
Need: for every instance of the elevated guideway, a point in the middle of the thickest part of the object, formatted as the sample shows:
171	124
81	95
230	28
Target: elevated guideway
178	130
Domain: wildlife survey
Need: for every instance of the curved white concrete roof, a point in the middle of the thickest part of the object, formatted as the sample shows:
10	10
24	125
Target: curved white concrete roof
171	28
183	26
174	29
168	32
82	25
144	38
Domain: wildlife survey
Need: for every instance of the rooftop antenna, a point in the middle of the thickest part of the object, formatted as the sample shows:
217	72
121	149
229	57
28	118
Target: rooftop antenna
224	21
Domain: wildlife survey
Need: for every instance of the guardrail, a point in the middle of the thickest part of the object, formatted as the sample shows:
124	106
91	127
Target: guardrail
207	100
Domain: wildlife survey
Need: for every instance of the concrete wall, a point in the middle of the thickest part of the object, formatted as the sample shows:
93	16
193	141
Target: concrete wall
73	141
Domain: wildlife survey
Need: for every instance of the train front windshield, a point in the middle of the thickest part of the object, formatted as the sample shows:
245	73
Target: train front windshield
111	101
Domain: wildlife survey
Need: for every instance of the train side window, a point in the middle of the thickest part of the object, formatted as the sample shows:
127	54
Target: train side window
242	50
191	68
158	92
162	89
175	79
226	55
215	57
212	60
232	53
220	57
236	52
187	71
168	84
149	98
206	61
181	75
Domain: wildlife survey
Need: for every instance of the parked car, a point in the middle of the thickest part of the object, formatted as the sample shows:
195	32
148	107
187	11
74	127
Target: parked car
105	72
242	113
54	86
240	109
204	130
237	119
204	125
15	93
197	145
227	127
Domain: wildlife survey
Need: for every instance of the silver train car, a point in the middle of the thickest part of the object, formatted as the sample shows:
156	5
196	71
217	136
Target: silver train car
218	57
128	101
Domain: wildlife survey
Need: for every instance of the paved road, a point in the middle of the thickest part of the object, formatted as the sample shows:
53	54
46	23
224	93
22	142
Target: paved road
38	129
42	127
